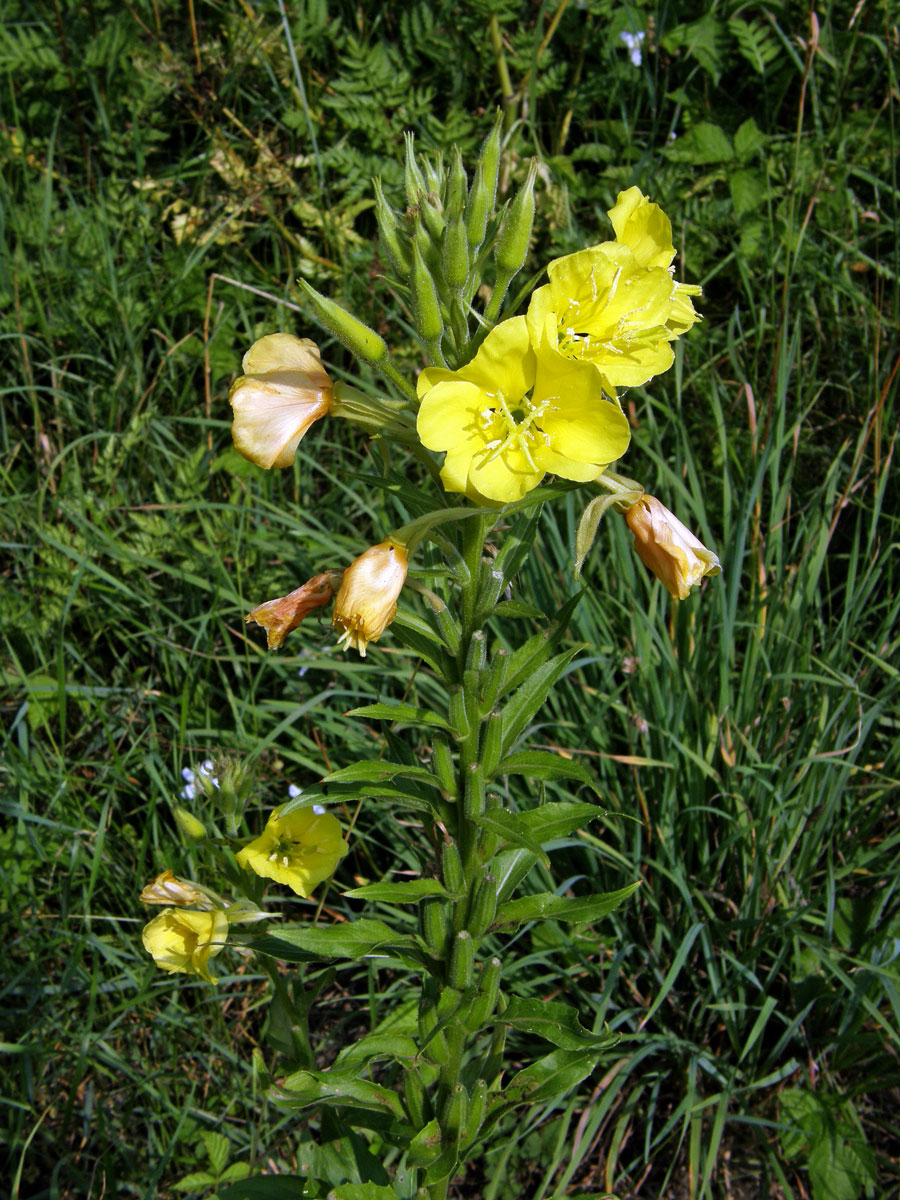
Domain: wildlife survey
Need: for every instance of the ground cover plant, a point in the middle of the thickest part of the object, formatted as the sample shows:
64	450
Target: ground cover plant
751	979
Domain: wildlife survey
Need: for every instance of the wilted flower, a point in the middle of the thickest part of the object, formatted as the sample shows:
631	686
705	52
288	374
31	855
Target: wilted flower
367	599
669	549
515	412
284	389
168	889
299	849
279	617
180	939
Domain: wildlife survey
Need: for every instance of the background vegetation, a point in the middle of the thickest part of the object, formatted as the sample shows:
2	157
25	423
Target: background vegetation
167	173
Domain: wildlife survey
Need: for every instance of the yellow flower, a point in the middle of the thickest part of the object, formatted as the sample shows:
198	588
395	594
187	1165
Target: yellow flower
284	389
668	548
367	599
515	412
299	849
279	617
182	940
169	889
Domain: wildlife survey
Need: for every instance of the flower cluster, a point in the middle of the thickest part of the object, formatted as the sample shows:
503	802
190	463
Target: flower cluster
540	395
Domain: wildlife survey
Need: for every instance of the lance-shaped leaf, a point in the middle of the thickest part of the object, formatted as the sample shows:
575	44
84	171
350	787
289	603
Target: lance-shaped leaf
514	549
418	636
547	906
555	1022
396	1047
549	1077
512	829
545	764
409	796
528	697
410	891
425	1147
362	1191
529	656
558	818
305	1088
352	939
378	772
405	714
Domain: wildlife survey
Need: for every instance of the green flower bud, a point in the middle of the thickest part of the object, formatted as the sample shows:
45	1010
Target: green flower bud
188	823
358	338
455	187
462	960
455	255
512	247
429	323
489	158
478	208
413	179
459	718
433	173
389	231
448	1003
496	677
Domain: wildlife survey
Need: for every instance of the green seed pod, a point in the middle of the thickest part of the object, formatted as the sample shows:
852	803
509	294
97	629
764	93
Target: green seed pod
473	800
389	233
477	1106
358	338
482	907
489	158
477	655
455	187
413	179
496	676
478	209
454	1113
433	173
455	255
462	960
459	718
443	768
482	1008
433	924
416	1099
448	1003
453	878
512	246
491	743
429	324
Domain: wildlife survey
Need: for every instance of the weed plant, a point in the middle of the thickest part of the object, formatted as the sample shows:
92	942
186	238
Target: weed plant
152	156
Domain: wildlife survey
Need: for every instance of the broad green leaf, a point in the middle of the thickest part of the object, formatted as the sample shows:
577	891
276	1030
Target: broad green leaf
353	939
377	772
748	190
393	1046
265	1187
513	831
443	1166
557	1023
304	1088
407	892
546	906
558	818
406	714
549	1077
703	143
425	1147
521	707
748	140
545	764
362	1191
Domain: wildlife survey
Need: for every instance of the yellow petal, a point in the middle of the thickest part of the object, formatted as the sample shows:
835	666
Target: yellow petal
282	352
644	228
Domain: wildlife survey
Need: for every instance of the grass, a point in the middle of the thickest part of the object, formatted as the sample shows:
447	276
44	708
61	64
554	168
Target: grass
745	744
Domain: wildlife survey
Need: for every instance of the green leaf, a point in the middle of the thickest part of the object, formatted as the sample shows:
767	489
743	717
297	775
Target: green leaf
265	1187
407	797
516	609
418	636
524	661
558	818
748	191
549	1077
406	714
305	1088
512	829
408	892
378	772
555	1022
545	764
389	1046
218	1148
749	140
425	1147
701	40
546	906
353	939
703	143
195	1182
530	695
443	1166
361	1191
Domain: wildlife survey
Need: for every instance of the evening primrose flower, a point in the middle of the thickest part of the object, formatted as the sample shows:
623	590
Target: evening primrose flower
283	390
180	939
299	849
168	889
515	412
668	548
367	599
280	616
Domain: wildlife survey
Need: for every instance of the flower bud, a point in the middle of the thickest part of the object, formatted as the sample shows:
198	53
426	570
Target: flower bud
184	940
478	208
668	548
512	247
462	961
429	323
359	339
456	186
389	231
413	179
284	389
189	825
169	890
367	600
280	616
489	159
455	254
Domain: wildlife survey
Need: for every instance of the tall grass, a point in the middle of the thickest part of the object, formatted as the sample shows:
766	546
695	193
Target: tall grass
745	743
